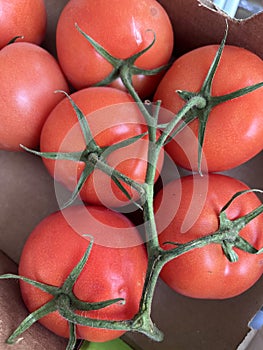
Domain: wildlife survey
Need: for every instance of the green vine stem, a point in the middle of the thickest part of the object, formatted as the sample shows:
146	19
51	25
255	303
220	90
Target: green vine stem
227	235
202	103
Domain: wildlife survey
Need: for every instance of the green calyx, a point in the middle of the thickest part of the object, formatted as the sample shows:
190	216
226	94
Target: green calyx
227	235
123	68
93	156
232	228
13	40
202	114
66	303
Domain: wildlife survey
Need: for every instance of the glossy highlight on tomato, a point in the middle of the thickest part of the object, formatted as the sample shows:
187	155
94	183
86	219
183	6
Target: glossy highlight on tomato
55	247
126	31
29	77
206	272
234	129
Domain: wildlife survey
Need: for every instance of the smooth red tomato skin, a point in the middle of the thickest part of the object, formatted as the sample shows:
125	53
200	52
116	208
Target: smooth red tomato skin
29	78
27	18
234	129
112	117
123	33
54	248
206	272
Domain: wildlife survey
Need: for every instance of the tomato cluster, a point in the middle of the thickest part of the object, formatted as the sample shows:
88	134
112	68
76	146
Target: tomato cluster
95	140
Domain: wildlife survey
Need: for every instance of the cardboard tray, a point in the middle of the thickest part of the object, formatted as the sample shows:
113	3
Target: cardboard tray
27	195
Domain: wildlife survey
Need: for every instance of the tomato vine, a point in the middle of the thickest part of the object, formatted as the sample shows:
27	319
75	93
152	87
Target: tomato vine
227	235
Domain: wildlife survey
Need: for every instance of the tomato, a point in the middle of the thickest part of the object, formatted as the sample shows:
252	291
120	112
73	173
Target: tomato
234	128
25	18
112	117
122	29
115	268
188	210
29	77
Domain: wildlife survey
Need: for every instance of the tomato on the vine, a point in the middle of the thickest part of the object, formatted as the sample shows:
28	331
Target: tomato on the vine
188	209
112	117
124	28
29	77
24	18
115	268
234	129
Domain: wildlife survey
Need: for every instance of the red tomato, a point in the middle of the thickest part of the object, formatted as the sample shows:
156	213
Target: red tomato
113	117
29	77
25	18
122	29
234	128
195	203
117	271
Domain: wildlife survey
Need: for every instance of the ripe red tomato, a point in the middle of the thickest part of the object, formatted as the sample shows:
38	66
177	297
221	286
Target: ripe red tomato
123	30
25	18
115	268
112	117
190	211
29	77
234	128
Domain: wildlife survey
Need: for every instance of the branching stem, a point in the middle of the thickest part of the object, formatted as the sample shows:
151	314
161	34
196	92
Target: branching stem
227	235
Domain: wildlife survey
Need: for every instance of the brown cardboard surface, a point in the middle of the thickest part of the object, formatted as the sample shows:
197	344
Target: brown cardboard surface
13	312
195	24
54	7
27	195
